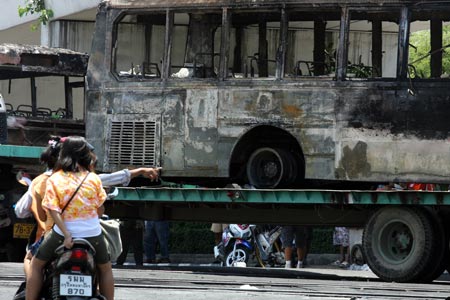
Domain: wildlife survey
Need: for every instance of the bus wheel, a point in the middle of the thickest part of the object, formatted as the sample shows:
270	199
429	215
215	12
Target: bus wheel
271	167
398	242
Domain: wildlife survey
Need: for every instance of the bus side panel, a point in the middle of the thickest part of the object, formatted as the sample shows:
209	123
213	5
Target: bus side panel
305	112
201	131
389	134
173	129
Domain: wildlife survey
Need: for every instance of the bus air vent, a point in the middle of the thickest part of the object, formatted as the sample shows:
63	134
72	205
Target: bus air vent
132	143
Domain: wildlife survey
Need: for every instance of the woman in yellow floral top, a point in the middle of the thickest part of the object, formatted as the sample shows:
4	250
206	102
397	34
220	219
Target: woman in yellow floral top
80	219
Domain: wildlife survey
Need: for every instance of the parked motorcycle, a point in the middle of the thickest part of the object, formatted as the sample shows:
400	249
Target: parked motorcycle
268	251
241	241
71	276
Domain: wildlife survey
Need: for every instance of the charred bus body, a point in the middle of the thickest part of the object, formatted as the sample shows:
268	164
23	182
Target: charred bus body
269	92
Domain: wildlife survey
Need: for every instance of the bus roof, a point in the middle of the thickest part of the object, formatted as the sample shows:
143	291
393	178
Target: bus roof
180	3
25	61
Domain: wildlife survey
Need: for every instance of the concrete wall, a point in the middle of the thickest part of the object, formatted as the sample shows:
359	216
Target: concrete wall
61	9
21	34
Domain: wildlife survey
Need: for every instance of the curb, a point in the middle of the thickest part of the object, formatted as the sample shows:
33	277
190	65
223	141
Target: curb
182	258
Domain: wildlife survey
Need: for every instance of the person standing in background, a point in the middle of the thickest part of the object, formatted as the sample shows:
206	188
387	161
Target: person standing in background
217	229
303	237
131	233
156	232
341	238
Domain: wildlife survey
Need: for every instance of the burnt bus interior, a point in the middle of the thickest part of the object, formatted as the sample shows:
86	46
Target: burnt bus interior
276	43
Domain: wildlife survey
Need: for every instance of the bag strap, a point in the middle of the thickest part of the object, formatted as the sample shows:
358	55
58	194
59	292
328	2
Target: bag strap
74	193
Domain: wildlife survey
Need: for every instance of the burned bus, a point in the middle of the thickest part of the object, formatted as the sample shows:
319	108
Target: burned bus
270	93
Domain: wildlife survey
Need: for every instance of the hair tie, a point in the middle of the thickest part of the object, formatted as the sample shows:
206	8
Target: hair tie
53	143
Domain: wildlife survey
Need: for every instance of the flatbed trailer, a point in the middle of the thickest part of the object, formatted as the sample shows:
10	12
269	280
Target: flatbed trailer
405	235
237	205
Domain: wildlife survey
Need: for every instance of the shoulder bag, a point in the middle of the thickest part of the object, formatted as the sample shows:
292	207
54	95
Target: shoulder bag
111	232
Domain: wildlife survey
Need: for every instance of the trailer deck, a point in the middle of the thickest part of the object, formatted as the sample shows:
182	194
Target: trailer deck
235	205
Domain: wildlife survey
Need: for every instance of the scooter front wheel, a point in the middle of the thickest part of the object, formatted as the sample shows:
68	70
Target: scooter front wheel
240	254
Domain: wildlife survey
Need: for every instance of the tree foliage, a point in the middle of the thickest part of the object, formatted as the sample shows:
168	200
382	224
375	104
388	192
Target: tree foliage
36	7
419	52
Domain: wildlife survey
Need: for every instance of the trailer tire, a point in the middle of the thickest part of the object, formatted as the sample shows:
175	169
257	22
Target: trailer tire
398	242
439	259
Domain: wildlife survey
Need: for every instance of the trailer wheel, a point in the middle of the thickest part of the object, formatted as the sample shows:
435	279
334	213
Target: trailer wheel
271	168
439	259
398	242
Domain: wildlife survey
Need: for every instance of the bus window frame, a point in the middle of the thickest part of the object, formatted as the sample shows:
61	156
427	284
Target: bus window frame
341	68
116	20
167	64
436	59
281	46
342	56
168	44
288	19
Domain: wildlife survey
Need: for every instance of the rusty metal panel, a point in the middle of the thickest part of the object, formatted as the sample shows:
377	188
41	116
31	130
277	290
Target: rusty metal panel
201	129
173	127
132	132
391	134
133	141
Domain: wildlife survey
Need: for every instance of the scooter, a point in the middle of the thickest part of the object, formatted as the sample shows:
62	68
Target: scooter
236	245
71	276
240	241
268	250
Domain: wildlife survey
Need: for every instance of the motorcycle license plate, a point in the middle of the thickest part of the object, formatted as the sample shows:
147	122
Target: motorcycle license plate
75	285
22	230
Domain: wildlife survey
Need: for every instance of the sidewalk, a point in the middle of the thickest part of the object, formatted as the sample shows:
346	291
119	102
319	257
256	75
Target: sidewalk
319	267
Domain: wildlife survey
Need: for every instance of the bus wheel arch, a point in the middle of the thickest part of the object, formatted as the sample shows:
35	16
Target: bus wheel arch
267	148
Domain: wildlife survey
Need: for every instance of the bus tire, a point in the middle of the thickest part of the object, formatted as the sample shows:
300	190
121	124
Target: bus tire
398	242
269	167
